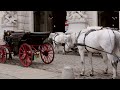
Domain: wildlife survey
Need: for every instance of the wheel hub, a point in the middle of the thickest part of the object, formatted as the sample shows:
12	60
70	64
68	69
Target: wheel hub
24	55
45	53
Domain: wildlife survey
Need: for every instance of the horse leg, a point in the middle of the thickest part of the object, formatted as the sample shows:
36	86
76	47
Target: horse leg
114	62
65	49
55	47
90	57
81	52
64	52
105	59
10	56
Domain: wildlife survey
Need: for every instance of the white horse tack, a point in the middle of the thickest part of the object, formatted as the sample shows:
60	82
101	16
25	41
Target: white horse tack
100	40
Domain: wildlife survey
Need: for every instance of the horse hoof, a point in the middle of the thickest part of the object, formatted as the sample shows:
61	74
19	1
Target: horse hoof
105	73
113	77
81	74
64	53
91	75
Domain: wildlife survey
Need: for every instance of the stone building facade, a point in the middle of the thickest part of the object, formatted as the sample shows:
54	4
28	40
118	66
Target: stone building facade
27	20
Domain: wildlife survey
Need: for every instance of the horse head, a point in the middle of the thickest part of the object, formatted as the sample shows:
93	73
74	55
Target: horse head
69	42
51	35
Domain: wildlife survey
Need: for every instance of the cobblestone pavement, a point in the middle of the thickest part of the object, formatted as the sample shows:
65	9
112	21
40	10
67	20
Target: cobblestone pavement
6	76
72	60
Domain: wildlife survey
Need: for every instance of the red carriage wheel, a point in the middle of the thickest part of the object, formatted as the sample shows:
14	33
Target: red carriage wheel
47	53
25	55
2	54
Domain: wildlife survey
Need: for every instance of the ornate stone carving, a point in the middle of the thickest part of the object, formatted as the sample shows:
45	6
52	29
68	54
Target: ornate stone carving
9	18
77	21
76	16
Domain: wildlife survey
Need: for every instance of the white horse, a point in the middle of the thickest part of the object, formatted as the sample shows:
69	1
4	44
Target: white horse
105	41
58	40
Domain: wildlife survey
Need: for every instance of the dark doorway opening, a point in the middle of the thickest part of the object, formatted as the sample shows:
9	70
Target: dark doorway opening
40	21
49	21
59	18
108	19
36	21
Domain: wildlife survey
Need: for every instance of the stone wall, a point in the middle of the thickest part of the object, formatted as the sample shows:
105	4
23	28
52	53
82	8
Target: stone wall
24	21
92	18
79	20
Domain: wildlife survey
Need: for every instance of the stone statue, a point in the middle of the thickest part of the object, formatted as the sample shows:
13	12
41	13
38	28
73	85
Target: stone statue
77	21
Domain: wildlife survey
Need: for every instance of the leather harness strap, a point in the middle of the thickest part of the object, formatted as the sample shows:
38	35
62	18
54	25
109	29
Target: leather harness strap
54	37
86	35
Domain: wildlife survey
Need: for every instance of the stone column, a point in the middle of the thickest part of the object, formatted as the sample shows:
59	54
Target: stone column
31	21
1	16
77	21
92	18
23	20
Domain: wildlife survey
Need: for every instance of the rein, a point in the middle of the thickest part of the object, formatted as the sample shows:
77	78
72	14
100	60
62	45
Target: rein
80	44
54	38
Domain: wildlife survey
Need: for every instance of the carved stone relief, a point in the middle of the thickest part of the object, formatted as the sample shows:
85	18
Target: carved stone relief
9	18
76	16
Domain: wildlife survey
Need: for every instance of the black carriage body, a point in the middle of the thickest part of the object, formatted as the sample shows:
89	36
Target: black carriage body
35	38
16	39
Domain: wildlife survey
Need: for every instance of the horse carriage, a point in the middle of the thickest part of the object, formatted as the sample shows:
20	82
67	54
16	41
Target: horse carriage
26	46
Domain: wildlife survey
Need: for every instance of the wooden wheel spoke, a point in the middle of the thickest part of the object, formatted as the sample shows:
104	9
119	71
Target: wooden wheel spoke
43	56
46	59
50	56
51	51
25	51
47	53
22	50
45	48
2	54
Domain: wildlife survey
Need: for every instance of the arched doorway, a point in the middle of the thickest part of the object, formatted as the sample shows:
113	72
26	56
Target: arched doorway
108	19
